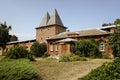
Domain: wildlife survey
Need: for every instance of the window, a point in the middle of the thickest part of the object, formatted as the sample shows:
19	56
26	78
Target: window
51	47
102	47
56	47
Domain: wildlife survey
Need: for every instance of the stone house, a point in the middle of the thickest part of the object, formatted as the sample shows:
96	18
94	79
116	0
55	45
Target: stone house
58	39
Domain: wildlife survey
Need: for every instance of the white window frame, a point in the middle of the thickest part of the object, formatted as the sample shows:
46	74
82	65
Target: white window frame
56	47
51	47
102	47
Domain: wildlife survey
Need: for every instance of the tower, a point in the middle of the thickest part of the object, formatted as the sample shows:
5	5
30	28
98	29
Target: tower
49	27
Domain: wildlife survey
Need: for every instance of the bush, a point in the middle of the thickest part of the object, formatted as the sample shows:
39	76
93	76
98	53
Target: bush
31	57
69	57
107	71
38	49
46	55
107	56
19	52
19	69
86	48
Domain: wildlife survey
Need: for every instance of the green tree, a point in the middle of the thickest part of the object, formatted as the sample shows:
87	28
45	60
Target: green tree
117	21
114	41
38	49
86	48
4	34
13	38
107	24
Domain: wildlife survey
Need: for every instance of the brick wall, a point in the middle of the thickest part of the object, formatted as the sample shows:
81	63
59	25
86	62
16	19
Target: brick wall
43	33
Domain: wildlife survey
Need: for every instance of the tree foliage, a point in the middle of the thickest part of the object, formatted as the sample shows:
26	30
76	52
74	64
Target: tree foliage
13	38
86	48
107	24
38	49
4	34
19	52
114	41
116	22
108	71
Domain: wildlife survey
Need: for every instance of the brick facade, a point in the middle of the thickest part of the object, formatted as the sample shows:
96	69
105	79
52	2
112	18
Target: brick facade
43	33
25	44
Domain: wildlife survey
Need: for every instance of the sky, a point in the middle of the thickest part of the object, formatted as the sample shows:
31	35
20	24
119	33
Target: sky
25	15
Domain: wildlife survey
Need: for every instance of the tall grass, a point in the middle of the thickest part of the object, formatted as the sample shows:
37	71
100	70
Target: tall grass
20	69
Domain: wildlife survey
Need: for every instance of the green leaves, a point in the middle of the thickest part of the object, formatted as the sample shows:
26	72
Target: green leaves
19	52
69	57
19	69
38	49
86	48
107	71
114	42
4	33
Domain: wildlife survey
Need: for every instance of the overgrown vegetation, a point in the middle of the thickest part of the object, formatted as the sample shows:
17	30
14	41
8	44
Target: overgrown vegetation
114	41
5	35
107	71
19	69
46	54
86	48
69	57
38	49
19	52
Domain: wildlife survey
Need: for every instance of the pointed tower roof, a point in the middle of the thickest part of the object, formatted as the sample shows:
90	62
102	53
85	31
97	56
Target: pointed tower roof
45	20
55	19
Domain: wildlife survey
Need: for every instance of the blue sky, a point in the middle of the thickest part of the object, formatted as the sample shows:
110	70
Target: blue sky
25	15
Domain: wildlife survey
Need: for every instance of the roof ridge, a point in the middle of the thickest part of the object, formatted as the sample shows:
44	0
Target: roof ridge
45	19
55	19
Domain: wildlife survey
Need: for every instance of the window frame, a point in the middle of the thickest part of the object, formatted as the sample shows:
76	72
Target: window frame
102	47
51	47
56	47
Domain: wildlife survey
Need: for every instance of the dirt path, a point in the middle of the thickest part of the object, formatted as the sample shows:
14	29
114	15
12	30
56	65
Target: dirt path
53	70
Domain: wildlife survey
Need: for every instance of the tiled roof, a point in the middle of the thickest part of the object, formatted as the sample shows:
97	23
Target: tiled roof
16	42
51	20
55	19
66	40
108	27
83	33
45	20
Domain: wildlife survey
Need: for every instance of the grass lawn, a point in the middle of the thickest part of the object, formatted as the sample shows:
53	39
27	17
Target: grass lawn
1	57
53	70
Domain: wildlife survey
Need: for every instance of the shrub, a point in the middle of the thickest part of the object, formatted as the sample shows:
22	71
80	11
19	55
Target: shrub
114	41
107	71
38	49
107	56
19	69
46	54
86	48
69	57
19	52
31	57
